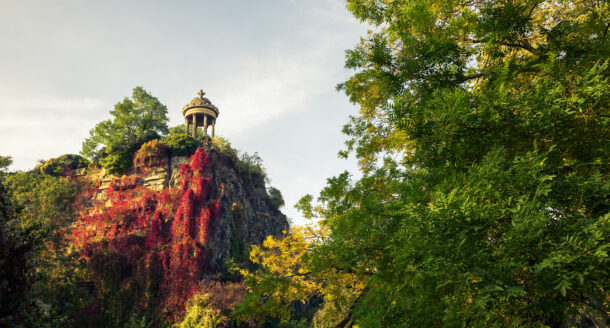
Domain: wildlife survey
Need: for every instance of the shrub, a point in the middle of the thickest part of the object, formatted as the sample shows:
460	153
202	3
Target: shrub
116	162
150	154
244	162
275	195
62	165
224	146
180	144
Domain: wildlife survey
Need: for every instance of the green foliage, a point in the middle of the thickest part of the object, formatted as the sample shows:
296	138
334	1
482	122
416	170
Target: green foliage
62	165
483	138
238	248
281	279
44	215
179	130
116	162
135	121
231	271
180	144
275	195
5	162
45	203
199	315
136	322
305	207
286	290
250	165
176	130
14	253
224	145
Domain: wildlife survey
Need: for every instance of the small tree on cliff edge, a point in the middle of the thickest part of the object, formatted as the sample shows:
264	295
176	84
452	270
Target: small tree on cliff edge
135	121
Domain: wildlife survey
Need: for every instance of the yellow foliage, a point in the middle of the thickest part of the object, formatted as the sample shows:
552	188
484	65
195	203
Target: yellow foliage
285	276
201	315
283	258
151	153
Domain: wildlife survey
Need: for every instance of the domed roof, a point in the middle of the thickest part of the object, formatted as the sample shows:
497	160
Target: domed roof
200	101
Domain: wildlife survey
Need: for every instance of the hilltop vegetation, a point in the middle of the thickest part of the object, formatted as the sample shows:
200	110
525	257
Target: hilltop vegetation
129	256
135	121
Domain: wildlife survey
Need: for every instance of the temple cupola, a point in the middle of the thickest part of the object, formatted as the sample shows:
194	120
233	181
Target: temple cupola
199	112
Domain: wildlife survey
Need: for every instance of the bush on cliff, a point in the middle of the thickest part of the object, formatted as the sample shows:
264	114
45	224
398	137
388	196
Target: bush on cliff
180	144
249	164
275	195
62	165
150	154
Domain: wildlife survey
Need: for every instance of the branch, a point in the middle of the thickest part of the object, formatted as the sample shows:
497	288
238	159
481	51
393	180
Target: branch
522	45
344	323
525	46
590	303
473	76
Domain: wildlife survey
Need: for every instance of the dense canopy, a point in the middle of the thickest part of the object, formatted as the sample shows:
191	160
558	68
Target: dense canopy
484	139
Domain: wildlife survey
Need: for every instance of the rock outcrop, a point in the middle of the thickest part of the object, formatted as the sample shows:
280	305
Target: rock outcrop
246	212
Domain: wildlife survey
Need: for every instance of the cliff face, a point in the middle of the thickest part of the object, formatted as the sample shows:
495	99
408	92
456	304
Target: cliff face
246	215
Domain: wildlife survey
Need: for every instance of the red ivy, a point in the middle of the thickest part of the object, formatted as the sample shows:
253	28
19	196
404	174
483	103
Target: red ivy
165	230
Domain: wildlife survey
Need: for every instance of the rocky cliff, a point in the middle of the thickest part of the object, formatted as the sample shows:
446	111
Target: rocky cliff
246	212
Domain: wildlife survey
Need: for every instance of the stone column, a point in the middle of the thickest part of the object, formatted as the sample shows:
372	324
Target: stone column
194	126
213	125
186	126
205	125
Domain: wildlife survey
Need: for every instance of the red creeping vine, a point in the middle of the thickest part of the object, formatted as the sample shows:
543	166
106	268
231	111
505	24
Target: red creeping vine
158	231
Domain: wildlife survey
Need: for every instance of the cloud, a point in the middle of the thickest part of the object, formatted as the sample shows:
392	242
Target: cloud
44	111
37	128
289	75
269	86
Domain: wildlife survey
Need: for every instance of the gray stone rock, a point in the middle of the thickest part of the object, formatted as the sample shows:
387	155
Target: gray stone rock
246	214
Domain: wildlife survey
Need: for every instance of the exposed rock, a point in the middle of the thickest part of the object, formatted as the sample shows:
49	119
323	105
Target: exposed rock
246	214
175	163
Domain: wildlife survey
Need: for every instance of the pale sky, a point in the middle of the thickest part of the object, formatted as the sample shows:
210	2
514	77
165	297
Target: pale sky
269	66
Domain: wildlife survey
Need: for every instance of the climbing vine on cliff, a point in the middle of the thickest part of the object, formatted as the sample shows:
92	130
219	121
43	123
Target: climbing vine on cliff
149	245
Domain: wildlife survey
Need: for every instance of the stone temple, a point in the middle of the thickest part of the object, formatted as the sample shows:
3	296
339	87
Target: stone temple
199	112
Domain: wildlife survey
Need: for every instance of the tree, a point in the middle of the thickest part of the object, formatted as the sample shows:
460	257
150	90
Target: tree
14	252
135	121
176	130
483	138
282	279
286	278
5	162
44	215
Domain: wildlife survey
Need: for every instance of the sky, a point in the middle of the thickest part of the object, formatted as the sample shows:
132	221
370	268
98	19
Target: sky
270	66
